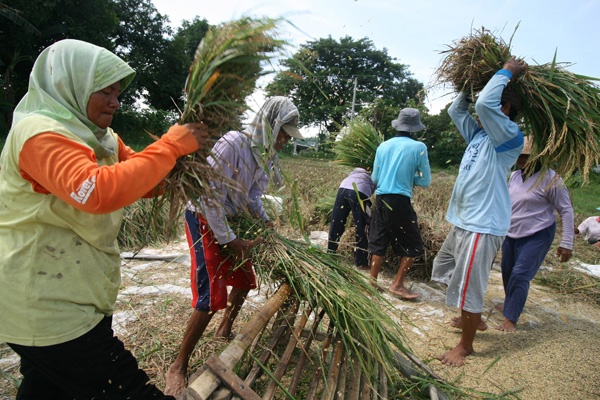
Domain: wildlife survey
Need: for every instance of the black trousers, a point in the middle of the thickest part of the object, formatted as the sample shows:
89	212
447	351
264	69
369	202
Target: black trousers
346	201
93	366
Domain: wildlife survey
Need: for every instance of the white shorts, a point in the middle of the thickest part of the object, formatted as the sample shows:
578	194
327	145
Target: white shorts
464	263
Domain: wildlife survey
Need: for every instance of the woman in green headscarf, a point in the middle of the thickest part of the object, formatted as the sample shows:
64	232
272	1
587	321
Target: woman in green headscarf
65	178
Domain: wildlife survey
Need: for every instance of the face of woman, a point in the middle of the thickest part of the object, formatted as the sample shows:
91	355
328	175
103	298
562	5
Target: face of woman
103	104
282	139
522	160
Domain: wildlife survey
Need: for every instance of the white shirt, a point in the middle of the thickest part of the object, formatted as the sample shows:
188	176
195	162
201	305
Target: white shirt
590	227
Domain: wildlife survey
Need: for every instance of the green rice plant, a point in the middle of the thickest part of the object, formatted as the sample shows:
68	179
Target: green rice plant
561	110
358	146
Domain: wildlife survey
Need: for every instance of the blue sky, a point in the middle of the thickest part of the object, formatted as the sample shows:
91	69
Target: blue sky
414	32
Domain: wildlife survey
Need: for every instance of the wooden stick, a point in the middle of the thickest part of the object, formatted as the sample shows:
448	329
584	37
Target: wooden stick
231	380
365	387
283	328
340	393
314	383
383	383
203	386
354	382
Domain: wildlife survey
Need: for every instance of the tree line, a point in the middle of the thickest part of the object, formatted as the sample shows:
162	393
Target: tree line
329	80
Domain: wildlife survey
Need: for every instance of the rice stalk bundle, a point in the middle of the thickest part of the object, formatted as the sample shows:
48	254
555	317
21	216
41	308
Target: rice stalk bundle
471	61
144	224
560	109
358	146
359	314
226	66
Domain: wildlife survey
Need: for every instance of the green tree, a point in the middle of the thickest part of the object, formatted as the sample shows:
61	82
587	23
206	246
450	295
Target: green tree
142	39
170	74
321	76
445	145
26	28
132	29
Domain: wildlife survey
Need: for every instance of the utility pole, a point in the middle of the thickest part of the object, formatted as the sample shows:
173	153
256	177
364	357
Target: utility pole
353	98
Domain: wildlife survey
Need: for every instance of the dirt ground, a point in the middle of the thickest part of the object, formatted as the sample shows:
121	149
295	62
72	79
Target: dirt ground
553	355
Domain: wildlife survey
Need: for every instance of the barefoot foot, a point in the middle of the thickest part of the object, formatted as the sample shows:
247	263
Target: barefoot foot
507	326
403	293
176	383
456	322
456	356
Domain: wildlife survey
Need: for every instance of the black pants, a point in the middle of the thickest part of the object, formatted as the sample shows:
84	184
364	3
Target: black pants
346	201
95	365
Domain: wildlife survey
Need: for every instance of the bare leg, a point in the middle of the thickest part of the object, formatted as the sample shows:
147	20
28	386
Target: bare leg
507	326
176	375
234	304
397	287
457	323
456	356
376	262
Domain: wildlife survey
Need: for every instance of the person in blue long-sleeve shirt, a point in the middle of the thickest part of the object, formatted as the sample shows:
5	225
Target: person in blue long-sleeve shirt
480	206
400	163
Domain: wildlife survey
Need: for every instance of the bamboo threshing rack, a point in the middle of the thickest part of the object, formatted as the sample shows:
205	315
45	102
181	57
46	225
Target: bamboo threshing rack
293	343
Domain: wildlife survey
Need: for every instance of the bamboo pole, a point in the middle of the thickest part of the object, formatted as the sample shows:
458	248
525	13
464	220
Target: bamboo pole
285	358
365	387
354	383
334	371
202	387
340	393
383	383
300	364
284	327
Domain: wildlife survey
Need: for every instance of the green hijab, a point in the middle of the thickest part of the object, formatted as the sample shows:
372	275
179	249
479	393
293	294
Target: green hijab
63	77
